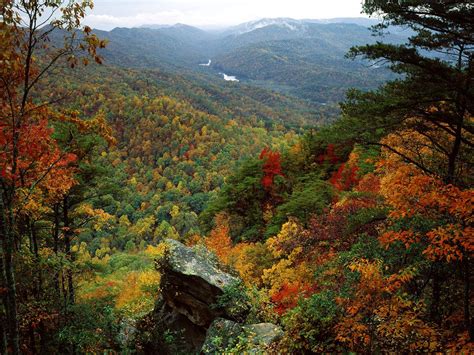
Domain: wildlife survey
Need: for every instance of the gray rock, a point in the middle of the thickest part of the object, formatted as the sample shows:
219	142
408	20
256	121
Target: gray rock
224	335
186	261
190	288
263	333
191	284
126	335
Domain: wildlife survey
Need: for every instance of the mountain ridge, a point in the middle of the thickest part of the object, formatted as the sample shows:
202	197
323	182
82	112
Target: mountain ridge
362	21
302	58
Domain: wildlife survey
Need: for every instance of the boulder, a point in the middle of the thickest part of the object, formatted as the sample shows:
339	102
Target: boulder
227	336
263	334
191	284
190	287
222	334
127	332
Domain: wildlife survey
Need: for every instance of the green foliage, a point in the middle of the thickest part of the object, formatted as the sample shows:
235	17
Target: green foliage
307	63
433	62
91	327
308	198
312	68
235	301
309	326
242	198
123	261
130	246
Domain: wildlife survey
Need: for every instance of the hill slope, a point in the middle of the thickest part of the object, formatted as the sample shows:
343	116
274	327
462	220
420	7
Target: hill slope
304	58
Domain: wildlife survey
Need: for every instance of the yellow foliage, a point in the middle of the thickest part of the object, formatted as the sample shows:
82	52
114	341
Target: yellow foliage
288	232
124	221
143	226
156	251
102	252
98	216
149	279
35	206
130	292
138	292
287	271
82	255
250	260
174	211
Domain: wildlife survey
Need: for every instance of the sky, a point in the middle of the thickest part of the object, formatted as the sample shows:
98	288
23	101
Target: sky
108	14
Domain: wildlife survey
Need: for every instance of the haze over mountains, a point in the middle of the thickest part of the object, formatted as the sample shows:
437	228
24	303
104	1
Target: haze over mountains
303	58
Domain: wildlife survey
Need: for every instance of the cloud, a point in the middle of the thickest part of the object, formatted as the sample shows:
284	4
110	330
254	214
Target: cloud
109	21
108	14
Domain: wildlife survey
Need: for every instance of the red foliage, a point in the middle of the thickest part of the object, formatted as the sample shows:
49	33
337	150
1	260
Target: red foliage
330	156
271	167
287	298
330	229
369	183
37	153
343	179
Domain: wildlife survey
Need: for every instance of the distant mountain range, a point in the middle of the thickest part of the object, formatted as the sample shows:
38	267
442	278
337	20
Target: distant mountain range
296	25
304	58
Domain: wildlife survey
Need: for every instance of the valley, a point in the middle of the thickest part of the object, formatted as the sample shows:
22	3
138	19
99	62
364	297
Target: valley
303	58
281	186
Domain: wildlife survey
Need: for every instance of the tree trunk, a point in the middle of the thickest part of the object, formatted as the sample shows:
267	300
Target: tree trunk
3	340
6	228
435	294
39	282
32	346
4	316
452	158
467	291
67	245
56	248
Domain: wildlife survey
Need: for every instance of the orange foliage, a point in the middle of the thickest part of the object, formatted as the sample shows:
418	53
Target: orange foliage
369	183
411	193
248	259
219	240
289	294
377	317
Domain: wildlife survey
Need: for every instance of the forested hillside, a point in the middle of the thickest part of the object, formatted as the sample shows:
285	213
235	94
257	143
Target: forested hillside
134	181
301	58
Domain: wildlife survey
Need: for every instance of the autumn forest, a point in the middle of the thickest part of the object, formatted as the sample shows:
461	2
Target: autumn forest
317	199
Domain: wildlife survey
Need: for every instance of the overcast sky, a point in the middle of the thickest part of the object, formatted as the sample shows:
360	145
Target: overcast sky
108	14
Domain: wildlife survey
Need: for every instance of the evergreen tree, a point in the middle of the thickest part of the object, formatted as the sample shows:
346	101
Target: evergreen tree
434	93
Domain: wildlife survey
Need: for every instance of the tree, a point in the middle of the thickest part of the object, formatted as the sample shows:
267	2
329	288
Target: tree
434	93
271	167
25	31
378	318
219	240
425	117
434	217
242	198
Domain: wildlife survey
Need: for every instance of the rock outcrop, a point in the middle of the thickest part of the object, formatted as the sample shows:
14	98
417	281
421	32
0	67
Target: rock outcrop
224	336
190	287
191	284
188	317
